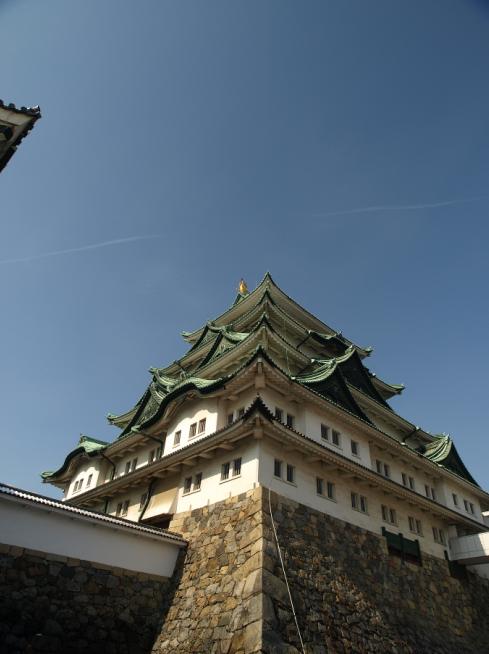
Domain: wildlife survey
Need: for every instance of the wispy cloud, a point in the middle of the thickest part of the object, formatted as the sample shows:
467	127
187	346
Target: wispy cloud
398	207
82	248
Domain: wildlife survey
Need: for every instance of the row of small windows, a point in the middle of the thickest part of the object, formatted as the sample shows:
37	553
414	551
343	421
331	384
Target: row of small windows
333	436
239	414
283	471
468	506
191	484
358	502
289	418
79	484
194	429
229	470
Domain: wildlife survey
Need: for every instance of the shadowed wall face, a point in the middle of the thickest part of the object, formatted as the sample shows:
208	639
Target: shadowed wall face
350	595
50	603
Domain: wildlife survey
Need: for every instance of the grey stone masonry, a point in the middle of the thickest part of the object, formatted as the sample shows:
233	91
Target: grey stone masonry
350	594
57	605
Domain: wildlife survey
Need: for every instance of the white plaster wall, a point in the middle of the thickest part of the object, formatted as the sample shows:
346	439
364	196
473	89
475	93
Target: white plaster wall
69	535
92	467
274	399
304	491
191	411
212	488
452	487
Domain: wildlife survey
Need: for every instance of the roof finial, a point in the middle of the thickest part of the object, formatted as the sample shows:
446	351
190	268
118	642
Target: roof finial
243	288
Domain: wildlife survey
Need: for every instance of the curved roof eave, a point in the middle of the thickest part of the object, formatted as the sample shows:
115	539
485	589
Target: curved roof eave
87	446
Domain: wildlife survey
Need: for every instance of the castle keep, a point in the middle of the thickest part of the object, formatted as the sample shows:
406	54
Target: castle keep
317	518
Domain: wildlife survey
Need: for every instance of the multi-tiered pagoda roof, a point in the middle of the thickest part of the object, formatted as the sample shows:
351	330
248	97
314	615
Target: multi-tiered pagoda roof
266	323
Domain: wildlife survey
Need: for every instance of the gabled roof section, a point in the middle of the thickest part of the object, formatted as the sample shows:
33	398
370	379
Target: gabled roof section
161	392
65	507
15	124
86	445
443	451
249	300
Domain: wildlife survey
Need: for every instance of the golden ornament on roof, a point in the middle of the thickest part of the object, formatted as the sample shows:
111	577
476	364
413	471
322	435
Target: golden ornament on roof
242	288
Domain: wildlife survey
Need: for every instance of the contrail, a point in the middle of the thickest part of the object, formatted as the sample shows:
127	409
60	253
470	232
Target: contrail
398	207
83	248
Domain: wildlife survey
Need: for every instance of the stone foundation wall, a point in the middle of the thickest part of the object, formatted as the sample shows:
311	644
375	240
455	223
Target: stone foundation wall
350	595
218	605
228	595
53	604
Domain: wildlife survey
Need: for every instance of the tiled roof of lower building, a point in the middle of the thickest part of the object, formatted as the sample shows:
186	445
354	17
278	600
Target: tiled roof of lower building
40	500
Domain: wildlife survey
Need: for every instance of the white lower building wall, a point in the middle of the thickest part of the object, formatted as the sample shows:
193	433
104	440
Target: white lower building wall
304	491
213	489
71	536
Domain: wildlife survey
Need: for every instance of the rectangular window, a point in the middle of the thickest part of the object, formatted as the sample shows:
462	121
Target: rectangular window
125	508
466	505
187	484
75	487
324	432
279	414
225	471
415	525
354	448
290	420
198	481
335	437
290	473
134	464
429	492
455	499
383	468
330	490
230	418
128	467
412	484
193	430
80	484
359	502
89	480
319	486
277	468
471	506
389	515
404	479
236	467
177	438
241	412
151	457
202	426
118	511
438	536
142	501
354	501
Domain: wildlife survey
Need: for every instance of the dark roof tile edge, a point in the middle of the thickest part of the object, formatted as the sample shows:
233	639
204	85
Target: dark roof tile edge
35	498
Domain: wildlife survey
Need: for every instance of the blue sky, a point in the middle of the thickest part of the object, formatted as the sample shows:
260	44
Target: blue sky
342	145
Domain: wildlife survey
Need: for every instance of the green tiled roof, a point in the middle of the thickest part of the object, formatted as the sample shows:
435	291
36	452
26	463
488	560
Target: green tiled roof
86	445
443	451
